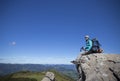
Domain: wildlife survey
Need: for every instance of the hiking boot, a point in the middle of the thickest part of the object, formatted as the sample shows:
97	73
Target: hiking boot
75	62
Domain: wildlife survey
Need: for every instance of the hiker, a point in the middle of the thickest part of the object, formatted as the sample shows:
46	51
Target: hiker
92	46
87	49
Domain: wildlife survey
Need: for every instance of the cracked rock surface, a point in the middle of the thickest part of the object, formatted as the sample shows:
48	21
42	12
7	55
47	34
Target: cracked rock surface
99	67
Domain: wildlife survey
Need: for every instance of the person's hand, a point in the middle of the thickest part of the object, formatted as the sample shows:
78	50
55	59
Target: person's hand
82	48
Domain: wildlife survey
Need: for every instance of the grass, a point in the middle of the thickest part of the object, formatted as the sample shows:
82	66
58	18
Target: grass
34	76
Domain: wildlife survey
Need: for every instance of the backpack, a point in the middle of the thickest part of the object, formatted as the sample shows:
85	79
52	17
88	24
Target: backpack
96	46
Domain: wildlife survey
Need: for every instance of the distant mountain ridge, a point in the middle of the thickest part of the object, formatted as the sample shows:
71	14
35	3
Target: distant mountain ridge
68	70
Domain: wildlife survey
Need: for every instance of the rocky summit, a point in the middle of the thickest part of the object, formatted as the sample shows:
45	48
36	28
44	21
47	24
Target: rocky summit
99	67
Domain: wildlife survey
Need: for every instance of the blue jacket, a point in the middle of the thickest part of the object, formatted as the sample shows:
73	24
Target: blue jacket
88	45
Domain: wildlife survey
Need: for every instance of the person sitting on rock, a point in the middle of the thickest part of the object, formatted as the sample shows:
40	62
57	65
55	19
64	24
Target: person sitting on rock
87	49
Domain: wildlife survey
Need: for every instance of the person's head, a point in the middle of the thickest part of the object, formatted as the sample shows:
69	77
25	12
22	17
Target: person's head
86	37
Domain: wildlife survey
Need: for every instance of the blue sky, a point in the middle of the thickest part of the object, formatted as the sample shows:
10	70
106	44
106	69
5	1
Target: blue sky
52	31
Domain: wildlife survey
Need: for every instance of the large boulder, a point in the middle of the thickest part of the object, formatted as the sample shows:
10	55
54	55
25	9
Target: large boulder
49	77
99	67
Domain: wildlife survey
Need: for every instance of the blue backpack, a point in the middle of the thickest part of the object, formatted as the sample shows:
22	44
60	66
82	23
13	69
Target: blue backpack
95	45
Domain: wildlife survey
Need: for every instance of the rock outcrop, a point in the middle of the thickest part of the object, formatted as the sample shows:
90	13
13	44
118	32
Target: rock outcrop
99	67
49	77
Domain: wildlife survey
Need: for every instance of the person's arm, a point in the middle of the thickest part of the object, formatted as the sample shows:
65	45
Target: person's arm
88	45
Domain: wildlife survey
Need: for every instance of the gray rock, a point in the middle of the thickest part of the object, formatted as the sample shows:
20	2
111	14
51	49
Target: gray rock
49	77
99	67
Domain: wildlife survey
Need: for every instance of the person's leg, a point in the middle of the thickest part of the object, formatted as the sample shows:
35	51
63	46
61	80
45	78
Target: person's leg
79	71
79	56
77	60
88	52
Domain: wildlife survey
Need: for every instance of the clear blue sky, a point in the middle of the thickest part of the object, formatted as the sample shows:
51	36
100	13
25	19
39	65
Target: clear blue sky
52	31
